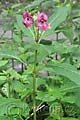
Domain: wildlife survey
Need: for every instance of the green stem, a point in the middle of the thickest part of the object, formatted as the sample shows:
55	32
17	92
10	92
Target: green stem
34	85
34	76
22	65
9	91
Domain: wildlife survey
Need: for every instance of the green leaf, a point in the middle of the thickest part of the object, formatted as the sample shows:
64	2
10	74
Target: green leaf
66	70
43	51
17	38
9	53
68	32
59	48
44	96
6	118
57	18
70	118
6	55
3	62
41	81
2	79
34	4
15	5
13	73
77	97
48	4
69	99
6	105
17	86
49	96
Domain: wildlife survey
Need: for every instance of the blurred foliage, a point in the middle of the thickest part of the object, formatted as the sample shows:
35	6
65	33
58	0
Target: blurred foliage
58	68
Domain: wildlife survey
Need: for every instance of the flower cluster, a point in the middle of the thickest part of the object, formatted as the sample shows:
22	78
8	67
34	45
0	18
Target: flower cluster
42	21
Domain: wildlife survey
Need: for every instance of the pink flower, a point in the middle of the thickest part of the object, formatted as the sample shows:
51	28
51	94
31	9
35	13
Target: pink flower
27	22
42	26
42	16
27	19
42	22
26	14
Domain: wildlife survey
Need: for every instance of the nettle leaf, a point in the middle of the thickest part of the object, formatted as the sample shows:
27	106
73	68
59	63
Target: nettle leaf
48	4
9	53
17	38
6	105
2	79
68	32
69	118
17	86
13	73
27	31
59	47
34	4
69	99
44	96
77	97
49	96
3	62
57	18
41	81
6	118
43	52
16	5
66	70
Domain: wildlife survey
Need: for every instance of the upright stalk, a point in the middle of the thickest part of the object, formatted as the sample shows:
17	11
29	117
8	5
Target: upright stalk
22	65
34	76
13	65
56	57
9	88
34	85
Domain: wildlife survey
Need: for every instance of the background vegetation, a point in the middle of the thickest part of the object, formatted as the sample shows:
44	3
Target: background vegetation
58	62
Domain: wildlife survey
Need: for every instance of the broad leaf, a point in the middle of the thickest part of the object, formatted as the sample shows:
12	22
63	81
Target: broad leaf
17	86
69	118
34	4
6	105
3	62
49	96
2	79
68	32
69	99
57	18
9	53
6	118
66	70
77	97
